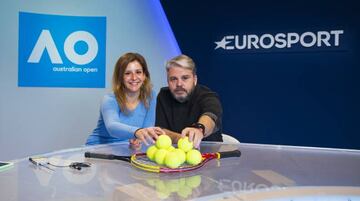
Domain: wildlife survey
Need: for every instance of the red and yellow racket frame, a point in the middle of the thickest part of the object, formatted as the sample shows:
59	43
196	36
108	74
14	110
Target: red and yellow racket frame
140	160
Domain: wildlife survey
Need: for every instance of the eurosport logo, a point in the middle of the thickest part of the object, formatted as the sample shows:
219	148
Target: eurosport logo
61	51
282	41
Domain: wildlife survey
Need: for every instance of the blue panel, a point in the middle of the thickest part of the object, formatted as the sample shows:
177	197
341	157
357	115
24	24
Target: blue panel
61	51
304	94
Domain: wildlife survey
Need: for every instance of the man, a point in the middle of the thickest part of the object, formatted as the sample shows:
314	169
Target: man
185	108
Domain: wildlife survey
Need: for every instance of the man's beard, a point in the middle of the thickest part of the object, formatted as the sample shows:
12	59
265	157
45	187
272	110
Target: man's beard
183	99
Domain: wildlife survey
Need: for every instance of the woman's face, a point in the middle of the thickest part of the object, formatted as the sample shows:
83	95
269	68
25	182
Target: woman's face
134	77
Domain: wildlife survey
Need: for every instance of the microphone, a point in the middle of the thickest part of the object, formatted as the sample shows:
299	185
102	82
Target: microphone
79	165
39	164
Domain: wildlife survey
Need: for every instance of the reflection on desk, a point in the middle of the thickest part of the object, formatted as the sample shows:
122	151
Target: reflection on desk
263	172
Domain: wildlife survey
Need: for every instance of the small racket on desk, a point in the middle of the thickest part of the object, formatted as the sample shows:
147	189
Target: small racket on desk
141	161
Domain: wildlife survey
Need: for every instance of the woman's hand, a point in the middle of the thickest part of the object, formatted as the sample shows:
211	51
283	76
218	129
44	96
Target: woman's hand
135	144
148	135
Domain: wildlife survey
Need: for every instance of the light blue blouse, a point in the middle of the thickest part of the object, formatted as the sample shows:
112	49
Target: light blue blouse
114	126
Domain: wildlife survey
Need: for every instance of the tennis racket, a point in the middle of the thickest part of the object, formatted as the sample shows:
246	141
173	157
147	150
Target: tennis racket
141	161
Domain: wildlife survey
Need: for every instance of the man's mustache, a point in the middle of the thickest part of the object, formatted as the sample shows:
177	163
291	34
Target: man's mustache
180	89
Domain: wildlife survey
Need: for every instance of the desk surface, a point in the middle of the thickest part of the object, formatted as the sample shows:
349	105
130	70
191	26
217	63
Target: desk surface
263	172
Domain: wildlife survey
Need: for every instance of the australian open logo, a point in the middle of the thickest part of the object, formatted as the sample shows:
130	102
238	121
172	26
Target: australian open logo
61	51
292	41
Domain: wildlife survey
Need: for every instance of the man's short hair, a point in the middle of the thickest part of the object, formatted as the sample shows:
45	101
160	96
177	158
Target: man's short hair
181	61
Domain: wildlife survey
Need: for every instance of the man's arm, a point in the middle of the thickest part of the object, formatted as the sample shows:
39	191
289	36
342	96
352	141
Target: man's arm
209	120
199	131
211	113
208	123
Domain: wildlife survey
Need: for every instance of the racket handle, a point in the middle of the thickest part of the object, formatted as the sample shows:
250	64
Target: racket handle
227	154
106	156
98	155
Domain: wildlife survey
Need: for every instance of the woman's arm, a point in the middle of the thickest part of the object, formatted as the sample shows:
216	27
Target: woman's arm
111	114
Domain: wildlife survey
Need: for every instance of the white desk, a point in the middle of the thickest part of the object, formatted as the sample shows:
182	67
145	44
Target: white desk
263	172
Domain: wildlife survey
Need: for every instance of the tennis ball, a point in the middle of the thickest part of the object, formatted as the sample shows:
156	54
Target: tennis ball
181	155
173	185
193	181
172	160
151	182
163	194
161	190
182	181
160	156
193	157
184	191
160	185
171	148
163	142
185	144
150	152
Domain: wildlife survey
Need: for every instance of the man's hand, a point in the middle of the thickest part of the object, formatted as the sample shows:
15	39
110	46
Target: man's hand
195	135
148	135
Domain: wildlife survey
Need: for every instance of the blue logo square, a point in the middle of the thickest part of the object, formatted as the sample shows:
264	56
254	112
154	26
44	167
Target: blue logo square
61	51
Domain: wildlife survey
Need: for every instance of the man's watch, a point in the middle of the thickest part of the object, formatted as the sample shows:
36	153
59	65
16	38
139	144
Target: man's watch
199	126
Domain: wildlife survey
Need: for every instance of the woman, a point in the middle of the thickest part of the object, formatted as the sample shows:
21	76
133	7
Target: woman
129	111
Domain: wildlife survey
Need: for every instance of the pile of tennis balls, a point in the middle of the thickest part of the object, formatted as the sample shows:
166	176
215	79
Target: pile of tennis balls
164	153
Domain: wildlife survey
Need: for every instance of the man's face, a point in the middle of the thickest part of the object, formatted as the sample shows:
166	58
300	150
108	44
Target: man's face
181	83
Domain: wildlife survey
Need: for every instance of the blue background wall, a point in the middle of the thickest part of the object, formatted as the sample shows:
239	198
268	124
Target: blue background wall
296	96
54	116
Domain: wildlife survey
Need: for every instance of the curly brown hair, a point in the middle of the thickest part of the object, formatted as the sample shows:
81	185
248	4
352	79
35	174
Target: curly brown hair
118	85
